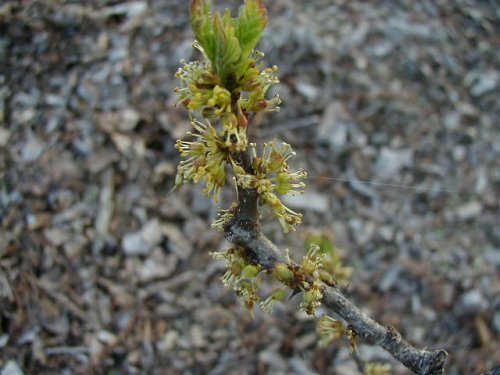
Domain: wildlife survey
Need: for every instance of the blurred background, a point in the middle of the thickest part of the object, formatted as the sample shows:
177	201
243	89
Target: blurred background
102	271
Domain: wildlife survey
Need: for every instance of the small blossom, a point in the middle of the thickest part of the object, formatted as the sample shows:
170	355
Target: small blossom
311	262
277	295
221	100
333	270
247	291
240	276
311	298
196	84
308	265
276	158
235	264
251	270
271	176
257	80
330	330
220	255
229	279
285	182
205	160
283	273
223	217
236	139
288	218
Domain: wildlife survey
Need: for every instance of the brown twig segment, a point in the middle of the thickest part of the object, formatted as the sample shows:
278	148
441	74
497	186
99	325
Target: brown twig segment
244	230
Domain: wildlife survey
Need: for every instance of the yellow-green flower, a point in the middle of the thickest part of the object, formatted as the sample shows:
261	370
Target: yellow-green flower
311	298
288	218
206	159
283	273
276	295
271	176
247	291
285	182
220	100
223	216
330	330
196	83
312	261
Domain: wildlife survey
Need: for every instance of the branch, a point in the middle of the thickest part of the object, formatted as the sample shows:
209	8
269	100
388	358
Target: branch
227	88
244	230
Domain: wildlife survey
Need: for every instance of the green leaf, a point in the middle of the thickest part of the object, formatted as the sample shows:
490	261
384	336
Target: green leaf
227	47
228	42
202	24
250	24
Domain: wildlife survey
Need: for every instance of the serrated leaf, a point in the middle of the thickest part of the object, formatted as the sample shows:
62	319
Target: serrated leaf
228	42
202	24
250	24
227	47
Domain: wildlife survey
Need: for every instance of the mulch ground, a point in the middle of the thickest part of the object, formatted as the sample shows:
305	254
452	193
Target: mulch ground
393	109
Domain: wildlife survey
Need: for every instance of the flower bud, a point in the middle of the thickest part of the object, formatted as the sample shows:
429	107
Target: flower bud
251	270
283	273
278	294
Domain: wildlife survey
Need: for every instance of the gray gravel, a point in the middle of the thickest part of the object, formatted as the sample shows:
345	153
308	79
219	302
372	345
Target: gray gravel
393	110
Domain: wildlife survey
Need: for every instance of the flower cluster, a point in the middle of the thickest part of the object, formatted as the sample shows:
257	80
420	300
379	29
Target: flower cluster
333	270
241	276
305	278
200	89
256	82
312	297
310	265
225	88
206	158
196	82
223	216
231	81
271	176
244	278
